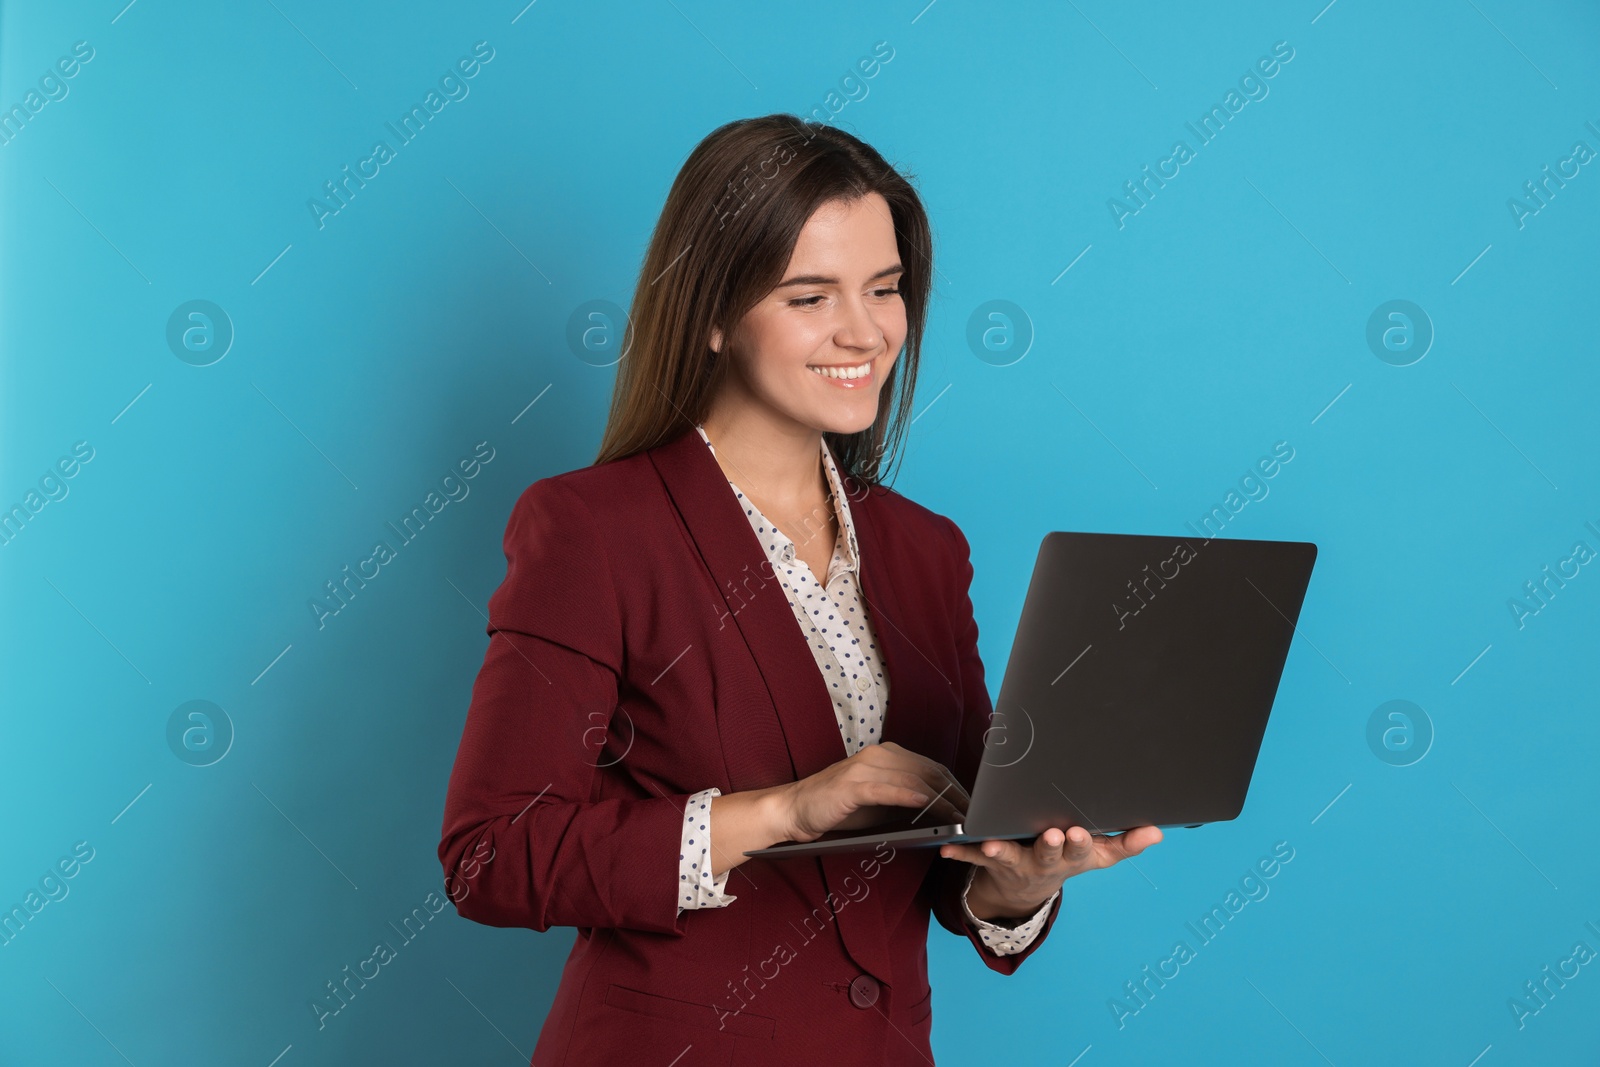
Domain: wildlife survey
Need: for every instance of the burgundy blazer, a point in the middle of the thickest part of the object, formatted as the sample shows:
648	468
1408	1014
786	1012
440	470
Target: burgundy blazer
640	649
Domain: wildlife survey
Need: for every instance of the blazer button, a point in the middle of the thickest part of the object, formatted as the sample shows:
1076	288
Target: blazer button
864	991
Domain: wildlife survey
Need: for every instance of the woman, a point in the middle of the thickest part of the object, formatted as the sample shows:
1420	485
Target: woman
729	633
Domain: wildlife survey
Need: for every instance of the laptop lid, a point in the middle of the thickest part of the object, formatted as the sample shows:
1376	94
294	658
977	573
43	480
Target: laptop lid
1140	681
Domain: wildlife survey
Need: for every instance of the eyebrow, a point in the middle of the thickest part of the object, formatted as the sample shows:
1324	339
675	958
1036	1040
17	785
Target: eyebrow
822	279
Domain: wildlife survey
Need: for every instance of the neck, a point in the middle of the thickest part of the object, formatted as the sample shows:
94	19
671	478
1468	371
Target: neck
781	464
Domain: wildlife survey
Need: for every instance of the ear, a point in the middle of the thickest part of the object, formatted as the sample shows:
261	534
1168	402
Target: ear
716	339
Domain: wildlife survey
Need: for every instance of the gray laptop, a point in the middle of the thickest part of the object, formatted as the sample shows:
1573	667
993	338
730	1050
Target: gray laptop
1137	690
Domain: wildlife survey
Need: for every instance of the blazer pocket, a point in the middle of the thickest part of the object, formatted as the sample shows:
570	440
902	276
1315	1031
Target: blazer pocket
921	1009
704	1016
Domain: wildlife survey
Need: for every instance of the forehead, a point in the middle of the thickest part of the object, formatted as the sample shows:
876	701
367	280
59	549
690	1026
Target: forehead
847	234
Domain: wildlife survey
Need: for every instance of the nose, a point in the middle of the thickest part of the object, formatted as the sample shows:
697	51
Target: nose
858	329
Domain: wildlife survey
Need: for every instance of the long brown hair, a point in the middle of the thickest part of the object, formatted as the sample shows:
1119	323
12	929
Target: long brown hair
724	238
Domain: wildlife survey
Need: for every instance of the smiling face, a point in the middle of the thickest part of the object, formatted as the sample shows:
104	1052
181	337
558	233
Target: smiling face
816	350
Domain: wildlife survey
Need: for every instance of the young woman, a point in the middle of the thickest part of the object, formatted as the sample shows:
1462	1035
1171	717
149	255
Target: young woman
727	633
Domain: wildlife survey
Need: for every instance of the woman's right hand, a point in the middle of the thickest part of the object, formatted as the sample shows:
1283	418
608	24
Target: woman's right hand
881	782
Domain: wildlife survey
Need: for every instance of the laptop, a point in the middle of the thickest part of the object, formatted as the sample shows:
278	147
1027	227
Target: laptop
1136	693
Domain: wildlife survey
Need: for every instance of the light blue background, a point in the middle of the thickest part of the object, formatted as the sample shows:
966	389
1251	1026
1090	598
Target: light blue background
370	355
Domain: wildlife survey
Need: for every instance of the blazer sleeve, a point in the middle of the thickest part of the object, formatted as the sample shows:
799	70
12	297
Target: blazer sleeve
947	879
535	833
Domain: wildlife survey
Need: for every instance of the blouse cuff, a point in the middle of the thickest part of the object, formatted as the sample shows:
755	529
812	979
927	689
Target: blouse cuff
696	887
1006	940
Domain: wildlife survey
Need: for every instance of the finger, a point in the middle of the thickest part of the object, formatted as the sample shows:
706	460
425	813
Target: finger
1129	843
1140	838
936	807
996	852
899	792
957	794
946	809
1079	850
1048	848
965	854
933	776
999	852
933	772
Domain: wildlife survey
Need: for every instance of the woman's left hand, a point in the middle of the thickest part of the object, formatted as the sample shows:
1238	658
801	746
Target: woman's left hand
1016	879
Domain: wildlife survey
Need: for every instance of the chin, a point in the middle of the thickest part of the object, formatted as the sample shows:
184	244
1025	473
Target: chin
845	423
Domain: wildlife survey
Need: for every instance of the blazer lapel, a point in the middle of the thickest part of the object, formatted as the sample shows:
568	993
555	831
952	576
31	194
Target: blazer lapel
808	737
914	676
752	605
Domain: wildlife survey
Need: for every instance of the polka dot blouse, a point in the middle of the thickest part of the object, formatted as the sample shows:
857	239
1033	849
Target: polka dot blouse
832	614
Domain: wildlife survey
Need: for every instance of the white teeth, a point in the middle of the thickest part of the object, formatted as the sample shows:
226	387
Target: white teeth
859	371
